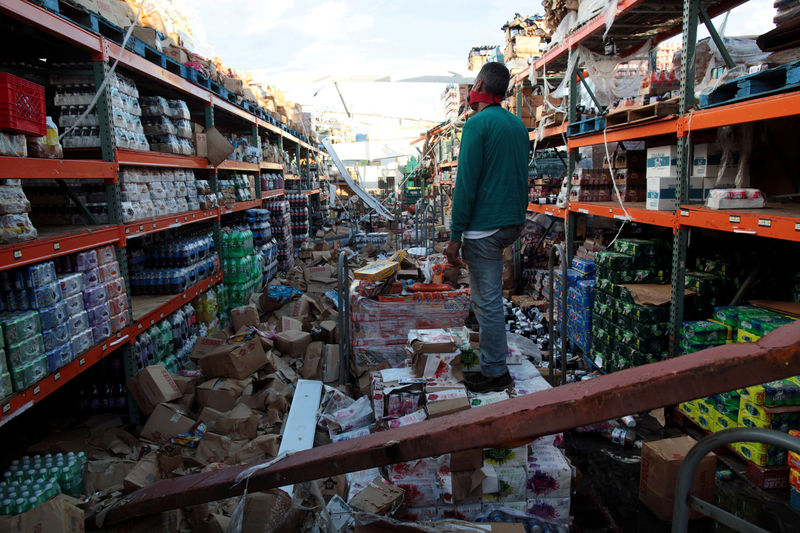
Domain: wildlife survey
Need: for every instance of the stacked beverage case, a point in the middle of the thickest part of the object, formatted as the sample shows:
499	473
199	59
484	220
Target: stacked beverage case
280	220
55	311
242	267
169	264
299	217
32	480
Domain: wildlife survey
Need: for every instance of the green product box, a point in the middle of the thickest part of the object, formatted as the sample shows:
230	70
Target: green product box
729	315
603	285
605	311
613	260
650	330
635	247
647	345
625	336
624	295
703	282
704	332
600	297
642	313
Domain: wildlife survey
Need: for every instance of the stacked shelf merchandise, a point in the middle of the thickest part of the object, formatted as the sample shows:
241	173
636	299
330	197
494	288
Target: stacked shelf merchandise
56	311
545	174
171	341
242	266
15	223
166	123
263	242
75	87
299	215
281	222
271	181
149	193
170	263
239	188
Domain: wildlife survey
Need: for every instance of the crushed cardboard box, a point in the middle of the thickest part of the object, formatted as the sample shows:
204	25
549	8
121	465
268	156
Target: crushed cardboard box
151	386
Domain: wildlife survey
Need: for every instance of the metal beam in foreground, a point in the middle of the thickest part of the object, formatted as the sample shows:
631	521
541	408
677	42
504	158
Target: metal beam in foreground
504	424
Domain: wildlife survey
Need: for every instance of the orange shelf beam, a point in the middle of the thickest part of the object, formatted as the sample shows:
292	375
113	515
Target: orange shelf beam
239	165
153	225
449	164
267	165
547	209
667	126
311	191
636	211
25	253
34	168
775	222
273	193
765	108
158	159
239	206
550	131
172	305
24	400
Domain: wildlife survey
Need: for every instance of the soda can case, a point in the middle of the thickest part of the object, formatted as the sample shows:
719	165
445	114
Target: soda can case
71	284
3	361
91	278
99	314
20	326
116	287
82	342
106	254
86	260
95	296
65	353
29	374
75	304
46	296
55	337
119	321
101	332
79	323
6	386
118	305
109	271
25	351
53	360
39	275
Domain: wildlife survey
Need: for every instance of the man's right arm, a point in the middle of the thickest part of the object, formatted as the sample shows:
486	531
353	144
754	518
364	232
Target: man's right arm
470	165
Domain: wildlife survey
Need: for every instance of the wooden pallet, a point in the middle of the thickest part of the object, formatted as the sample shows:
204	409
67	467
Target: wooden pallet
637	114
762	83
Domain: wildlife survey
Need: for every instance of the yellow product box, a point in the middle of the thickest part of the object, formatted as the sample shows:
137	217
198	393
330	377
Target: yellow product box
794	461
753	410
746	336
794	478
377	270
398	256
729	328
795	380
755	452
723	422
747	421
754	394
705	407
688	408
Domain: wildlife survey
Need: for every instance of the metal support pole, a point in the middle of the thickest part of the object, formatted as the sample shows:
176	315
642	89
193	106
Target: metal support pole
716	37
572	159
343	319
680	241
589	90
558	250
680	515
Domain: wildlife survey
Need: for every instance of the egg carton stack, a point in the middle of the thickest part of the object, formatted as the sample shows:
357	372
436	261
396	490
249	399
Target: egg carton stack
74	92
281	223
148	193
55	311
167	125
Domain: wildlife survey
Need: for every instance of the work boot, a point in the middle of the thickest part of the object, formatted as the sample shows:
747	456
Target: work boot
483	383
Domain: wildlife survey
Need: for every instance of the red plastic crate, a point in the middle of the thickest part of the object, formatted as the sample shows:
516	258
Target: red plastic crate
22	107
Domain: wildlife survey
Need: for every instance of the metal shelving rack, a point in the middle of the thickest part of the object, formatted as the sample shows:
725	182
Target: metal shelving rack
664	20
58	241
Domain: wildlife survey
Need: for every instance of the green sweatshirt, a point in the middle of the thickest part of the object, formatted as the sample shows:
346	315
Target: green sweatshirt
492	181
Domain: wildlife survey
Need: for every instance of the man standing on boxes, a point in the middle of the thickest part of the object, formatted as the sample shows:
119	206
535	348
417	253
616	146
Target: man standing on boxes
488	213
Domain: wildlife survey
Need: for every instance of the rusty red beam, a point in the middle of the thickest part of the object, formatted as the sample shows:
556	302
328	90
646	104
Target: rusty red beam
507	423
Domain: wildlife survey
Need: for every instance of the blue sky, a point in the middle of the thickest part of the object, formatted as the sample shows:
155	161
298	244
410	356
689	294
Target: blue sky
294	44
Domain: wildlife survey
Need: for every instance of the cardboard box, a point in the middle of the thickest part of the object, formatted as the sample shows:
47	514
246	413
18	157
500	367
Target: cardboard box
209	415
321	273
431	341
237	360
292	342
106	473
145	473
330	366
662	161
466	460
437	366
245	315
446	402
165	422
378	497
312	361
328	328
149	36
57	515
200	144
176	53
234	85
661	460
377	270
662	192
288	323
151	386
222	394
